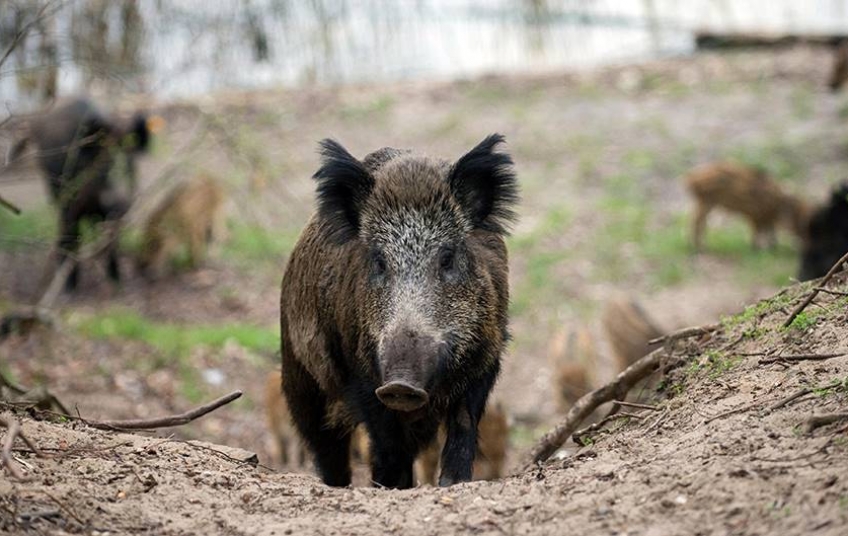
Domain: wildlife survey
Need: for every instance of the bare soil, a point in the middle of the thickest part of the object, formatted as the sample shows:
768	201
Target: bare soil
672	472
680	469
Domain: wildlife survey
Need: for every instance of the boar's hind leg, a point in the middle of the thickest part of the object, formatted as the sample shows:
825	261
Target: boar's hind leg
461	444
330	446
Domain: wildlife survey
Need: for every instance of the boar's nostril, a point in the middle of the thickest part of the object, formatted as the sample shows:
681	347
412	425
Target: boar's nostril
401	396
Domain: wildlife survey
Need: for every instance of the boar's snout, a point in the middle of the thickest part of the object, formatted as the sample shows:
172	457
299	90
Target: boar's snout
401	396
408	362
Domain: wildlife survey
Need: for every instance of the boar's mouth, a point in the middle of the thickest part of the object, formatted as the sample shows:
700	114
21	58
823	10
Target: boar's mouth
402	396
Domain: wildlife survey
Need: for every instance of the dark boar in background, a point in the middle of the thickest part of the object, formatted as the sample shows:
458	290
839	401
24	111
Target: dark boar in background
827	236
394	308
87	158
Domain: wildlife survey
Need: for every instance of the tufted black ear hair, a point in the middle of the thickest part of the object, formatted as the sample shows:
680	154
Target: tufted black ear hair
484	183
343	186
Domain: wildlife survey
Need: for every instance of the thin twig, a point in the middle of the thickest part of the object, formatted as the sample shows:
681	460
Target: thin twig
9	205
164	422
800	357
635	405
41	15
685	333
64	507
594	427
828	291
823	419
794	396
823	283
615	390
733	411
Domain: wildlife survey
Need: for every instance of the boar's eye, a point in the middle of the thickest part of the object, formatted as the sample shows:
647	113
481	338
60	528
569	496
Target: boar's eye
378	264
447	259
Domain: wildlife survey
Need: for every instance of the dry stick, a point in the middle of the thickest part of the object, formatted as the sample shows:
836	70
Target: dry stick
685	333
13	430
831	292
594	427
164	422
9	205
64	507
823	419
42	14
728	413
803	305
801	357
615	390
635	405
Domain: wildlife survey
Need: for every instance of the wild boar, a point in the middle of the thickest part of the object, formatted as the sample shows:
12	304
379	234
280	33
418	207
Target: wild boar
393	309
827	236
573	357
88	160
492	445
188	217
748	191
286	443
629	328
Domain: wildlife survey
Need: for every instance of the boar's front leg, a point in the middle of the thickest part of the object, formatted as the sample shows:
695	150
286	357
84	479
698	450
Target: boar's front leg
394	446
330	445
461	443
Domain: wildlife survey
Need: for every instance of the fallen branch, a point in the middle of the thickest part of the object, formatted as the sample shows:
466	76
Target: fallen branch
801	357
803	305
594	427
728	413
164	422
615	390
823	419
685	333
9	205
13	431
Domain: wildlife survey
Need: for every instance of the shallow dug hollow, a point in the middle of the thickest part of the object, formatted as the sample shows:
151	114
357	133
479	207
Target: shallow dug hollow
712	459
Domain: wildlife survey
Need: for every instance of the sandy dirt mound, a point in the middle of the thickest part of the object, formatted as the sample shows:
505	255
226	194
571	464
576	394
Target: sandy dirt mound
725	452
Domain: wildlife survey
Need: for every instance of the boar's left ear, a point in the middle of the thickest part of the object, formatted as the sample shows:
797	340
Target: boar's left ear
484	183
343	187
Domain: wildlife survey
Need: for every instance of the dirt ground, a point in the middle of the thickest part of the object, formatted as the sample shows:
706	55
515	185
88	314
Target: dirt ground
599	156
714	457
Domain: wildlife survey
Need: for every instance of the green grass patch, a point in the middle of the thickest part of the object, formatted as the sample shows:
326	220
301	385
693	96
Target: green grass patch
35	226
175	339
255	243
377	109
784	160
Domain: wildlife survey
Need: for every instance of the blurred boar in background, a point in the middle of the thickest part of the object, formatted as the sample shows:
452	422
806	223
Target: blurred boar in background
393	309
88	160
286	444
573	358
187	217
492	444
629	328
827	236
839	73
748	191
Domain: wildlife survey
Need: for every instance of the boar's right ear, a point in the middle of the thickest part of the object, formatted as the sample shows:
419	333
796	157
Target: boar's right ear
343	186
484	183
